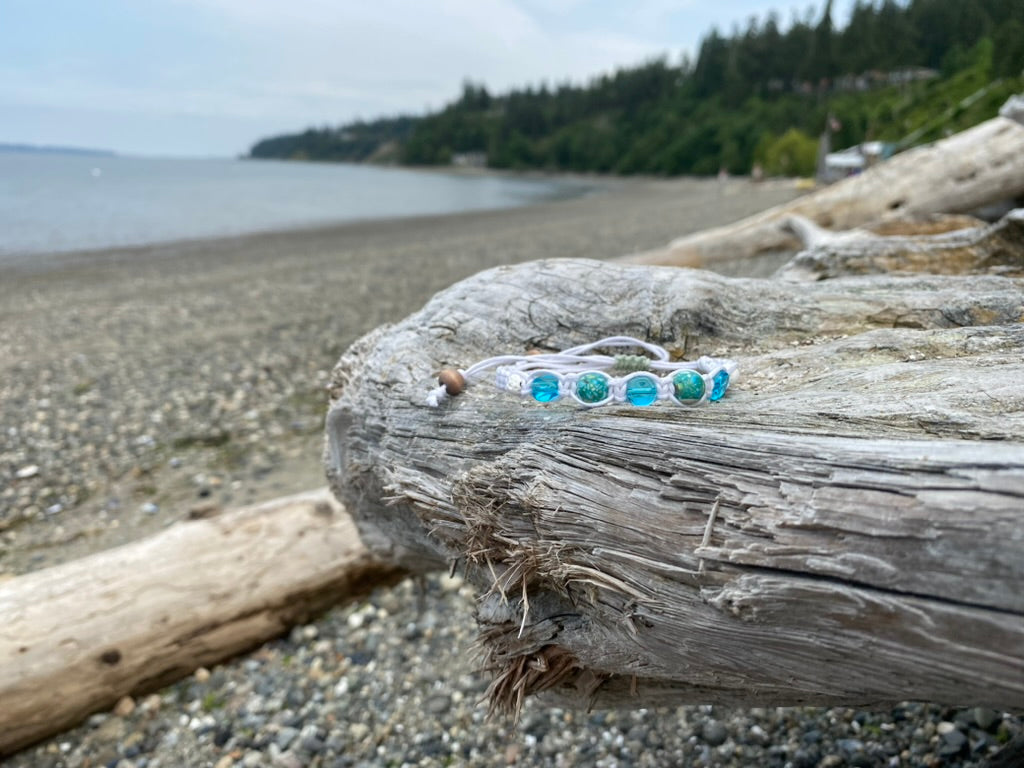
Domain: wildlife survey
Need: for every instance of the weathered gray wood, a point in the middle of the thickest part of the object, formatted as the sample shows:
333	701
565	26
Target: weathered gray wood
974	168
865	477
76	637
994	249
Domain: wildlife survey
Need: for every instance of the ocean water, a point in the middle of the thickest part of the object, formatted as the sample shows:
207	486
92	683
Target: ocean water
66	202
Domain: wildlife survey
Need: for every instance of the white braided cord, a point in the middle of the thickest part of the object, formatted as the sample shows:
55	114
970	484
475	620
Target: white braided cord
516	373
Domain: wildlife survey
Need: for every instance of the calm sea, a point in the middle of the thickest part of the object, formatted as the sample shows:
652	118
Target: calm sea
58	202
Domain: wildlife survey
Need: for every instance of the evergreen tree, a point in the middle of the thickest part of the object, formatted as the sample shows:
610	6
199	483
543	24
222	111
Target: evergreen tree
822	64
709	73
858	44
1008	49
758	93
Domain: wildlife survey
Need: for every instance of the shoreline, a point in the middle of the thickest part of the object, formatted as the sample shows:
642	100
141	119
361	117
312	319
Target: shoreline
38	261
331	207
589	187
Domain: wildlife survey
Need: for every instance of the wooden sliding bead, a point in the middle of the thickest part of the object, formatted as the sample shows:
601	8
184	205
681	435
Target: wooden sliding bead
452	380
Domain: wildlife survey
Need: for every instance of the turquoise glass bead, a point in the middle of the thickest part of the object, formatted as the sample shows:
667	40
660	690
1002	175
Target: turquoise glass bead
719	383
592	387
688	385
544	387
641	390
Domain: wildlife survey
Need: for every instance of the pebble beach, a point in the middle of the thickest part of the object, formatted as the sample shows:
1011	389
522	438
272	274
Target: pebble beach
142	385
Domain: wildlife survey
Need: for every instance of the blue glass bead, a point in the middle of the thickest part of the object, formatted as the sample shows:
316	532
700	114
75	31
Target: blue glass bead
641	390
688	385
592	387
544	387
719	382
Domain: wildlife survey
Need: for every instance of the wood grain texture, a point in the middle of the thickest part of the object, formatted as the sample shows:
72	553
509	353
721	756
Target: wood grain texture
865	477
976	167
76	637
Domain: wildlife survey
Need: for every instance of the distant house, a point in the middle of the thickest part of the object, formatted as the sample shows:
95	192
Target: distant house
470	159
911	75
853	160
860	82
875	78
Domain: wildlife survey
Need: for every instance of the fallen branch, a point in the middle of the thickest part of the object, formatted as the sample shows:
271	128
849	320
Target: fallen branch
994	249
76	637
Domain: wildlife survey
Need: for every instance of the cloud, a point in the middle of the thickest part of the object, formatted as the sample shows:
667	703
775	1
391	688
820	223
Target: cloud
274	65
429	46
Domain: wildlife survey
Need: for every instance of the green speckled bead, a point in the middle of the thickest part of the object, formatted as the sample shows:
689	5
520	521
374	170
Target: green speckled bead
592	388
641	390
688	385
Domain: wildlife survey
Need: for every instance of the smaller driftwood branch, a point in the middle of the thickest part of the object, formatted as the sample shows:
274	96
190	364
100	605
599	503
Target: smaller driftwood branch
76	637
994	249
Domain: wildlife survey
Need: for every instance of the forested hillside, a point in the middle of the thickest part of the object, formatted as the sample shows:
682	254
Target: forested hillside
378	140
898	72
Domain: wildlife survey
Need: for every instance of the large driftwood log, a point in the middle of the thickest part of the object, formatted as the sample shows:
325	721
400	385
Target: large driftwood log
966	171
845	527
76	637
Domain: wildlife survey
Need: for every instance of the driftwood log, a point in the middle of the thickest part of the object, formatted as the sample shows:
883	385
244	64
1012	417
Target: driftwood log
76	637
845	527
977	167
996	249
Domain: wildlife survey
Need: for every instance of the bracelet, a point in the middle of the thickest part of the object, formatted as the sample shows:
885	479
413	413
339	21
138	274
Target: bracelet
592	380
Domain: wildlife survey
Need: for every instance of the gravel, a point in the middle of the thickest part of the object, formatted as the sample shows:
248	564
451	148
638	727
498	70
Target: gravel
140	386
389	681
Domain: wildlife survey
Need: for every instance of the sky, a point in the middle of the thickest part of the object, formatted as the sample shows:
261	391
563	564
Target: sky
211	77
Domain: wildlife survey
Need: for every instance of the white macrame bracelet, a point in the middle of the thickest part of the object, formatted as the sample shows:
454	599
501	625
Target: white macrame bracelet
592	380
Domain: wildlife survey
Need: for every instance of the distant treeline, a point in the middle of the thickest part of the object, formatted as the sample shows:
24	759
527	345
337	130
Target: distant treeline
760	95
378	140
46	149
